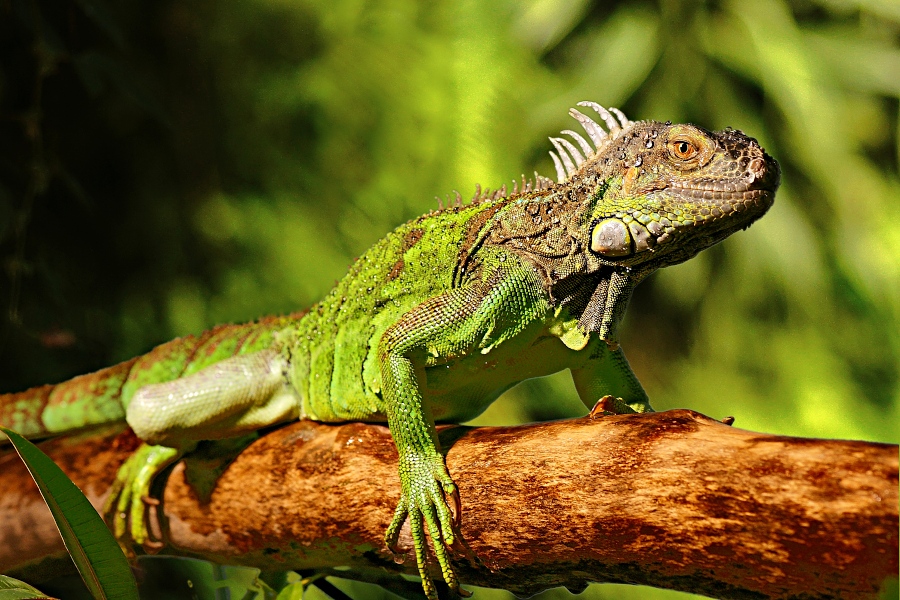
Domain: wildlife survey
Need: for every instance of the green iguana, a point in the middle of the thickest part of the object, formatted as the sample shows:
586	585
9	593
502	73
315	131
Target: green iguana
439	318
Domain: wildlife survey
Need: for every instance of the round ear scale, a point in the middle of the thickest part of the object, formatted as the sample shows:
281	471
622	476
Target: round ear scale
611	238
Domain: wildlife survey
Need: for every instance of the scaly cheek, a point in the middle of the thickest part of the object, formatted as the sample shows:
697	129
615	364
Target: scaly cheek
628	181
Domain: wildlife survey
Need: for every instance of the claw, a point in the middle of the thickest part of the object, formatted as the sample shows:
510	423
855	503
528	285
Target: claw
398	556
457	508
398	551
392	535
128	551
610	405
728	420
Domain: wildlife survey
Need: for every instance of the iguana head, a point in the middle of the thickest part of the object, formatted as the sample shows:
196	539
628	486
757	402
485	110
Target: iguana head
655	194
644	195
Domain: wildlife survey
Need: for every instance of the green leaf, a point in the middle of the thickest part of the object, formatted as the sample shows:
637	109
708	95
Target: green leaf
292	592
181	577
13	589
99	560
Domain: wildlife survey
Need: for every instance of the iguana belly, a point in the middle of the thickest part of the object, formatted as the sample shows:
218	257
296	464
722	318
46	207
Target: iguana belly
462	390
457	389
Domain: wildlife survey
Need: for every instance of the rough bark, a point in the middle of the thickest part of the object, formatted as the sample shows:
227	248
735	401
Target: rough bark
673	500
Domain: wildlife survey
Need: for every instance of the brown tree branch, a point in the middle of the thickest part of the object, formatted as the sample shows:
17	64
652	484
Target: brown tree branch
673	500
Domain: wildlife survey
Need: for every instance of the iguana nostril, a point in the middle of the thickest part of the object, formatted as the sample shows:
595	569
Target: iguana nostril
757	167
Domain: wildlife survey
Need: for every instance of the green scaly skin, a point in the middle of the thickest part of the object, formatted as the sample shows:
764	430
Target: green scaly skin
438	319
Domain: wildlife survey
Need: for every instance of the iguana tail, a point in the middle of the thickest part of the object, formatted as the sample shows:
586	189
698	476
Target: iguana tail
102	397
85	400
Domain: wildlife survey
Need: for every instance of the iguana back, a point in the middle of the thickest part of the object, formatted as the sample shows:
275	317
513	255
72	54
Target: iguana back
334	365
335	368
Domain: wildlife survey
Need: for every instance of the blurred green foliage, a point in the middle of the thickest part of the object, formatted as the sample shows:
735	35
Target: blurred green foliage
168	166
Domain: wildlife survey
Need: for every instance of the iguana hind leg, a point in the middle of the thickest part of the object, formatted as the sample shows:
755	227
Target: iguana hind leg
228	398
127	504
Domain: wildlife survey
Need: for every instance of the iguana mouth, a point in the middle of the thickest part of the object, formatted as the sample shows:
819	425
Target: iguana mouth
722	202
697	207
746	195
753	192
760	178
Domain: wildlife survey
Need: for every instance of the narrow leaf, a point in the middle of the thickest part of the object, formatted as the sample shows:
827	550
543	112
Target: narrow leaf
99	560
13	589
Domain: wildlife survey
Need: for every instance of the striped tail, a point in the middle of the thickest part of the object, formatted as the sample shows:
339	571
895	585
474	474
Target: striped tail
102	397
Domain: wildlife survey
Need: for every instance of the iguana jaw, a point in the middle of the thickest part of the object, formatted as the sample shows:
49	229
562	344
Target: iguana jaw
714	209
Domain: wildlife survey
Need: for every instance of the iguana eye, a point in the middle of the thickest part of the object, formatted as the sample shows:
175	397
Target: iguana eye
683	149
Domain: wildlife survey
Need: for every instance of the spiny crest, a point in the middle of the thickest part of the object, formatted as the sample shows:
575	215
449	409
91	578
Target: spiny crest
522	186
486	195
568	158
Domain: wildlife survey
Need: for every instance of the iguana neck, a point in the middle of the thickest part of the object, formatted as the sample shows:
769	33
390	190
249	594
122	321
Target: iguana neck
541	227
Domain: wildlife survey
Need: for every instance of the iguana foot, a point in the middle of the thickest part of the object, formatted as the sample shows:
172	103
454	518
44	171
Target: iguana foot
425	484
129	500
610	405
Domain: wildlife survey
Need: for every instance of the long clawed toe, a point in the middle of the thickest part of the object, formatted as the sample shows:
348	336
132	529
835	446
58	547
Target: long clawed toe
434	516
152	544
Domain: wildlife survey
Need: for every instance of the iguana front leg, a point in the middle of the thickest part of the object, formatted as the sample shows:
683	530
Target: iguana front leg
472	319
607	375
230	397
